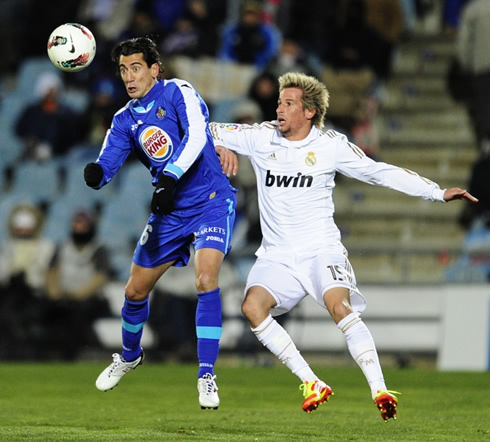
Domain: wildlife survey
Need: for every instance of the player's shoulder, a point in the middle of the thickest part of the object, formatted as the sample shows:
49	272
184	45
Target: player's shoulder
332	134
264	127
177	83
256	128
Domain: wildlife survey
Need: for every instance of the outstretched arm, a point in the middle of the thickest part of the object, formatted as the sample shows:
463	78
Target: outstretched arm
455	193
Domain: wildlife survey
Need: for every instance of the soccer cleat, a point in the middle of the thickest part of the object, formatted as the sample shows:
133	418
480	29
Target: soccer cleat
111	376
208	391
315	393
386	401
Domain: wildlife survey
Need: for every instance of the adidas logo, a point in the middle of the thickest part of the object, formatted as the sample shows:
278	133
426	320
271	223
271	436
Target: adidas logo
272	156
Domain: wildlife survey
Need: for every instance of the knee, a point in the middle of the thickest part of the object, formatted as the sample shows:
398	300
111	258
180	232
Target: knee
339	310
206	282
135	295
247	308
254	311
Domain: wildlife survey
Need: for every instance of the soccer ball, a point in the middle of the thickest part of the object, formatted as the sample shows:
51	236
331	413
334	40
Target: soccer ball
71	47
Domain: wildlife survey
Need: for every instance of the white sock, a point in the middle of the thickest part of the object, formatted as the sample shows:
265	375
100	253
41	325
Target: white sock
276	339
361	347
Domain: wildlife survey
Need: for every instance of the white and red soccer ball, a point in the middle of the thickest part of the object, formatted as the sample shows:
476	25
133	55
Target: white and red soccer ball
71	47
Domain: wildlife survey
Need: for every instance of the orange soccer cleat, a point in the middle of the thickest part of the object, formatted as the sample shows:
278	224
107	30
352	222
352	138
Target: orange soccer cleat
386	401
315	393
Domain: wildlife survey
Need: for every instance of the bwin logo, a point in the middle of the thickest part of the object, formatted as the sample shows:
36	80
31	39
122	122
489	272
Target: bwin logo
299	180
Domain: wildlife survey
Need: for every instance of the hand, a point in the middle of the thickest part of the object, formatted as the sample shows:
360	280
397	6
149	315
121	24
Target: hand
93	174
455	193
228	160
162	202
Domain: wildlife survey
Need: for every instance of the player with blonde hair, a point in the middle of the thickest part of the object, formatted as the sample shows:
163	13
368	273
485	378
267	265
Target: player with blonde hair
301	252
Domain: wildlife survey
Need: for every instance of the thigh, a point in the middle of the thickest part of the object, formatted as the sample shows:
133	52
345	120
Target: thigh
163	240
328	271
280	280
213	228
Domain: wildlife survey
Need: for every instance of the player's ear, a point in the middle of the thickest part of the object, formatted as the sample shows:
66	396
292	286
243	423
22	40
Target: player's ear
155	70
310	113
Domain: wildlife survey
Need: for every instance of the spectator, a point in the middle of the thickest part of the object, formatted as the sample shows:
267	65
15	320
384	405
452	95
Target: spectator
474	262
196	33
409	13
365	132
107	19
354	44
165	13
143	22
251	40
25	255
350	71
47	127
75	281
183	39
314	26
291	58
451	15
24	260
474	58
264	92
385	18
96	120
479	186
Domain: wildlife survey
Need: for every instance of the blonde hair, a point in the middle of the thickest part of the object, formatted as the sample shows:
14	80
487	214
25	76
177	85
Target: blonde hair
315	94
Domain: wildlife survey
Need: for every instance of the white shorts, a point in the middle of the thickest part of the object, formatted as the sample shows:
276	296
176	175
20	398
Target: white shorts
290	282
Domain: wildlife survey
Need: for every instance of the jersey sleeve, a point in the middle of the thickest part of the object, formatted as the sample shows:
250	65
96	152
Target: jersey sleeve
193	118
240	138
352	162
115	149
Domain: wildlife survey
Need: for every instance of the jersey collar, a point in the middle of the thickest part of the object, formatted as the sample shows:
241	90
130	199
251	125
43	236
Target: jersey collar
277	138
143	105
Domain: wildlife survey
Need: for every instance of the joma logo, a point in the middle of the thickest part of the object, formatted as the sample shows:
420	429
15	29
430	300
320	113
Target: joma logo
299	180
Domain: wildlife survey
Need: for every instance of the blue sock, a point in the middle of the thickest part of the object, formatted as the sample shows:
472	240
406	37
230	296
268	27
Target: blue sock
134	315
208	330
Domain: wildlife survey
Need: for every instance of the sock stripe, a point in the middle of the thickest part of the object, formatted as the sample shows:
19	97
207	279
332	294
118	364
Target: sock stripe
208	332
133	328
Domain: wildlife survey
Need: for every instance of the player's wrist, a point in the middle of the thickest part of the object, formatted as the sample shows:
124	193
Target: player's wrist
166	182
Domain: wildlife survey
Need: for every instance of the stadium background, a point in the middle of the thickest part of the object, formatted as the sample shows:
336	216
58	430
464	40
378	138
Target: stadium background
409	255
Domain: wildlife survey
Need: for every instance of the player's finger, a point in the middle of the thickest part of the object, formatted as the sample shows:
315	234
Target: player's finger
468	196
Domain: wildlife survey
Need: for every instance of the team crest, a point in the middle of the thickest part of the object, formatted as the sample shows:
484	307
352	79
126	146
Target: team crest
161	112
310	159
156	143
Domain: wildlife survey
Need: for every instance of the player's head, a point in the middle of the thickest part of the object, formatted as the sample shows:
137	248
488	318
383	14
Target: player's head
315	94
139	45
139	64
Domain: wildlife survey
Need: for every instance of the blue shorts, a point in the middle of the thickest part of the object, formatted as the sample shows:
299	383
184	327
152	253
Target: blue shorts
168	237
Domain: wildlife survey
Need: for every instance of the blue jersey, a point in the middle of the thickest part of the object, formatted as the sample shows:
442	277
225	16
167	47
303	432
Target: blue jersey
168	131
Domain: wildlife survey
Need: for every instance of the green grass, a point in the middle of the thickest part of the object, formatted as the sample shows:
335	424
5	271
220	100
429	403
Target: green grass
158	402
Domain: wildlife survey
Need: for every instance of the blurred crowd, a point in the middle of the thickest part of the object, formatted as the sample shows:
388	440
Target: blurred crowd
52	274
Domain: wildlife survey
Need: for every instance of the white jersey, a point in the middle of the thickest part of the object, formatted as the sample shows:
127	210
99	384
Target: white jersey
296	179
